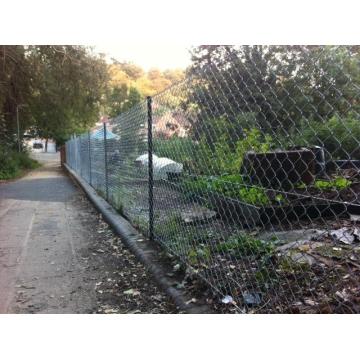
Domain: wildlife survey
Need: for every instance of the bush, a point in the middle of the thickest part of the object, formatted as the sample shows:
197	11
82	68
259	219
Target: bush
225	156
13	163
338	135
232	186
219	149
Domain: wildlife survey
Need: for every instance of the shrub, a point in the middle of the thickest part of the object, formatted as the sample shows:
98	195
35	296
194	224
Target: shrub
220	150
13	163
225	156
338	135
232	186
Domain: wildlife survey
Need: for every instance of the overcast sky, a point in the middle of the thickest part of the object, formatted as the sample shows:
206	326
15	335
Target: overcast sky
162	56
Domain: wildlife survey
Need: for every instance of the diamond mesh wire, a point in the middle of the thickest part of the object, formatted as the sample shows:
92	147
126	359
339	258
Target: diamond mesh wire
127	165
256	175
97	159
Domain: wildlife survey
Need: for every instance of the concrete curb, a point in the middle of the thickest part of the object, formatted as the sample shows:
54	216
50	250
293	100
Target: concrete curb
130	237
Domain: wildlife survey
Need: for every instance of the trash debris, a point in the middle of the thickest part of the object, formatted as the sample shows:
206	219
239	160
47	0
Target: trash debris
251	298
193	300
302	258
356	233
111	311
344	235
227	300
354	218
176	267
196	215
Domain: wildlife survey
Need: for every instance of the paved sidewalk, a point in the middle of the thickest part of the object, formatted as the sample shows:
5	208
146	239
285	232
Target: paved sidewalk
47	239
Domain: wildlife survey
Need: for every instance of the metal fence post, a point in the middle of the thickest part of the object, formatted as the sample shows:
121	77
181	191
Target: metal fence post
106	166
151	177
89	148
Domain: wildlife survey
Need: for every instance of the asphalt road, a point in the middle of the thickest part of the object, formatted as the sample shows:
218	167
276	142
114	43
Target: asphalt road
55	252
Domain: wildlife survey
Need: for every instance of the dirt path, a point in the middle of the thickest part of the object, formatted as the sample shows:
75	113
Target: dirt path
58	256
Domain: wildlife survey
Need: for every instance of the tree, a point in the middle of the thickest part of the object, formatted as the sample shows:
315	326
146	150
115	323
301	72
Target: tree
67	91
121	99
281	85
15	89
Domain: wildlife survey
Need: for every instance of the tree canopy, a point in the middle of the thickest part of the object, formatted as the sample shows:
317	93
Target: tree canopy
65	89
280	85
60	88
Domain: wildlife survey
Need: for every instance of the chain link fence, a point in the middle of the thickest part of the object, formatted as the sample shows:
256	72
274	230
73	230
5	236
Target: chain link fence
254	175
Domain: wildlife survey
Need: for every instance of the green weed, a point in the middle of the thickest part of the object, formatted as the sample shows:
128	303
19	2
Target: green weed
246	245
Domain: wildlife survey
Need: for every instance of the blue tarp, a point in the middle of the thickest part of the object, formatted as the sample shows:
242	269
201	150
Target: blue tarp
100	135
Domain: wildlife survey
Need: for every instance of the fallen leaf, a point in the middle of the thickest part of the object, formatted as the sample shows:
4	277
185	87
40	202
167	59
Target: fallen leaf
310	302
342	295
131	292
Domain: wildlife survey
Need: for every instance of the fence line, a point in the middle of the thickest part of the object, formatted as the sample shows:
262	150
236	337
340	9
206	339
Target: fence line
248	172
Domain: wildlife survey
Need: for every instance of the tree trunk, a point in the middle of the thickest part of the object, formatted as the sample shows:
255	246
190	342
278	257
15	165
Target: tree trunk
46	144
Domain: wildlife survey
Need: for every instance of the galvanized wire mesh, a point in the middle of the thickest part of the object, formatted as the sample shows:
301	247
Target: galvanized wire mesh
127	170
256	175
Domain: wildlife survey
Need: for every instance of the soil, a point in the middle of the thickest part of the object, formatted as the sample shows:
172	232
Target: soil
123	284
317	280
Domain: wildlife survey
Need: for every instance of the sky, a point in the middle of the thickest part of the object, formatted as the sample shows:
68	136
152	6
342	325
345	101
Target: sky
162	56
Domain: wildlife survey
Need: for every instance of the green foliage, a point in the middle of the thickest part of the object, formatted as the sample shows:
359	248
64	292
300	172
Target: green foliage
145	83
168	228
245	245
339	183
122	98
280	198
68	84
338	135
13	163
254	196
199	255
225	156
306	79
232	186
221	155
